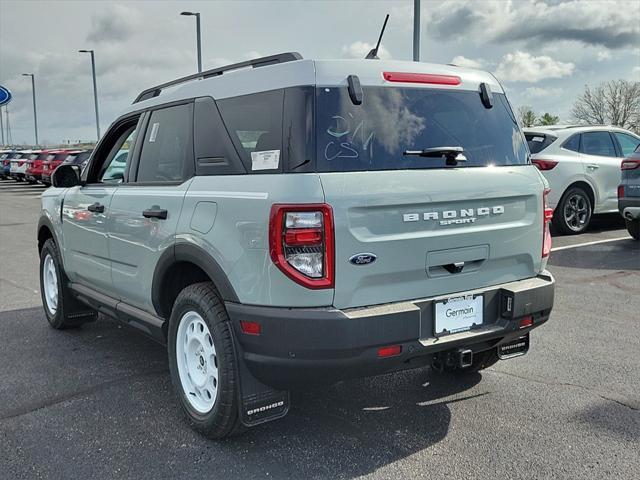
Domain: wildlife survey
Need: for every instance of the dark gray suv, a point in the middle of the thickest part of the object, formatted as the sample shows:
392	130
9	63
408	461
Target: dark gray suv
629	193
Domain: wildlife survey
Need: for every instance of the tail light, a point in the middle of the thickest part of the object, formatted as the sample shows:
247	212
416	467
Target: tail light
406	77
620	191
301	243
544	164
628	164
546	219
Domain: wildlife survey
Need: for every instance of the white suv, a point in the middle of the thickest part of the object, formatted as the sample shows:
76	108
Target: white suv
582	165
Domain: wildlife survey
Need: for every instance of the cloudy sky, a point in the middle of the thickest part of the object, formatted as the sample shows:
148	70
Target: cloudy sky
543	51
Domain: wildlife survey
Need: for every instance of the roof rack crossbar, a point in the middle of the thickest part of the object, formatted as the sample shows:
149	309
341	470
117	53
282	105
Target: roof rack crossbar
256	62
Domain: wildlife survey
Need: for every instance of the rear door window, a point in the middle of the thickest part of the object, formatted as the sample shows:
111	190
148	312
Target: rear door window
167	148
390	121
598	143
538	141
628	144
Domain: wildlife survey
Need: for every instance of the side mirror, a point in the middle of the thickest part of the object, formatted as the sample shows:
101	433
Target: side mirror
66	176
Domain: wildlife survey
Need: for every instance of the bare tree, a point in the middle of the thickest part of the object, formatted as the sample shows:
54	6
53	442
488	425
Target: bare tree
526	116
616	102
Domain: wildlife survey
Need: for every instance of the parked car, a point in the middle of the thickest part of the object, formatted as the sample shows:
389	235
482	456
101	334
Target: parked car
53	161
81	158
5	163
305	221
33	173
19	165
629	193
582	166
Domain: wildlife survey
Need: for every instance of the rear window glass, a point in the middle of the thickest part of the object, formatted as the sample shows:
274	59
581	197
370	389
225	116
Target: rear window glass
538	141
390	121
33	157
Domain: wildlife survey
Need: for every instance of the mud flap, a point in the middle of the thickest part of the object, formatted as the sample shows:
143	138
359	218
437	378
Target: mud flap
259	403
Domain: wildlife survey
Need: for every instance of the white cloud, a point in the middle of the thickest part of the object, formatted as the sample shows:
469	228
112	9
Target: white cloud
118	24
539	92
603	55
524	67
467	62
360	49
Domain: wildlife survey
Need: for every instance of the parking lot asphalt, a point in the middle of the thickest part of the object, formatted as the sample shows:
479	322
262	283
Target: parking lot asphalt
97	402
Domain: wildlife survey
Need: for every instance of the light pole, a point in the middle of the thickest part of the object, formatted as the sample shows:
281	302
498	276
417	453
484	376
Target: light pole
197	15
33	91
416	30
95	89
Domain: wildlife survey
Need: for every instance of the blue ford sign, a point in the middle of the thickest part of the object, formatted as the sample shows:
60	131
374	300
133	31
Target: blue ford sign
5	95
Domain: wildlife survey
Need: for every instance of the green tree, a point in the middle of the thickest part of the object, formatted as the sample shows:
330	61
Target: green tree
548	119
526	116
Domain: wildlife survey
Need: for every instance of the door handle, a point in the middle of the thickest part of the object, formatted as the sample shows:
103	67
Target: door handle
593	166
155	213
96	208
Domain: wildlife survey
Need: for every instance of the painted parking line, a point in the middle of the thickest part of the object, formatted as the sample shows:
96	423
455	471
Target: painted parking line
586	244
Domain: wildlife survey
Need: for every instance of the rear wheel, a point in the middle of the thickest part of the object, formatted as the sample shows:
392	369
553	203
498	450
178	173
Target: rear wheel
61	309
573	213
202	361
633	227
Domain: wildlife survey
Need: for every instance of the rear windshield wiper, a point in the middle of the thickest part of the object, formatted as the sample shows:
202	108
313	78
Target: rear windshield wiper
453	155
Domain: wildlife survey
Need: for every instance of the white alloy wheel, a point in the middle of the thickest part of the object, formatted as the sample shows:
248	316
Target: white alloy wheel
197	362
50	284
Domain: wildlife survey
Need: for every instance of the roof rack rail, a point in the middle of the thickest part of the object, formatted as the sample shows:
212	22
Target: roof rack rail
256	62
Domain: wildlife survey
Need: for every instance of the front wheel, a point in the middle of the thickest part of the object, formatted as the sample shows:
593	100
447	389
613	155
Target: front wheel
633	227
61	309
573	213
202	361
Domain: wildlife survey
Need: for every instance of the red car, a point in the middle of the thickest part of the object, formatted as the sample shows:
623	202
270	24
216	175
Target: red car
35	165
53	161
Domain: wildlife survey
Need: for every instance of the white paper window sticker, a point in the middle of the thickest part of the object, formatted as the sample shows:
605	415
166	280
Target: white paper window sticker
265	160
538	139
154	132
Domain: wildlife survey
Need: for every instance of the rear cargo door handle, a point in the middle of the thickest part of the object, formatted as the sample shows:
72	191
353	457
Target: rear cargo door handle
155	213
96	208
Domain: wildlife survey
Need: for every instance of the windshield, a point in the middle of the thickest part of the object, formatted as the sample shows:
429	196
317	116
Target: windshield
390	121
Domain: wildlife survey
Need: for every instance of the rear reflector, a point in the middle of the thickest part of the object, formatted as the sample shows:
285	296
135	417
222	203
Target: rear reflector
630	164
544	164
620	191
546	219
250	328
421	78
390	351
526	322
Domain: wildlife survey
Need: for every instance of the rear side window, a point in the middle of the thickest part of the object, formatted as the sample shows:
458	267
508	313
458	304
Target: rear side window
167	148
628	144
598	143
255	125
538	141
573	143
390	121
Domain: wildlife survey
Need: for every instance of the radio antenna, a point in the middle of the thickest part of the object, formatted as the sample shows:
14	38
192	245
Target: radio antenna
373	54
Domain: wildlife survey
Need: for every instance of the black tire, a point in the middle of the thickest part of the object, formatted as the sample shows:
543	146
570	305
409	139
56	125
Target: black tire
633	227
69	312
575	201
222	420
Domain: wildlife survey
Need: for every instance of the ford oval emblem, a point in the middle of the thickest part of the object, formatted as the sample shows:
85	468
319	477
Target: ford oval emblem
5	95
363	258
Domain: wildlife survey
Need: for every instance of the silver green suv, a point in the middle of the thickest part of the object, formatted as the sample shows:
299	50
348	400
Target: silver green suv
285	221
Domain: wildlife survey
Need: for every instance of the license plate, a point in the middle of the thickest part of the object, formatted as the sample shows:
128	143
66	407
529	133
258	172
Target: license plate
458	314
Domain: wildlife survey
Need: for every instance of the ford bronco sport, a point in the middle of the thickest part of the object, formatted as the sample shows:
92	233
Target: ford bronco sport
284	221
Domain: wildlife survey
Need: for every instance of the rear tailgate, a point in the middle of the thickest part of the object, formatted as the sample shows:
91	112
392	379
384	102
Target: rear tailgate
489	218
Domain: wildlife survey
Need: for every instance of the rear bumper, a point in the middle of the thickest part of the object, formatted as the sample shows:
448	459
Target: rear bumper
629	207
298	345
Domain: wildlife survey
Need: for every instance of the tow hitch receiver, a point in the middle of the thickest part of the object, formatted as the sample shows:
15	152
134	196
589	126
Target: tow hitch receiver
515	348
465	358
